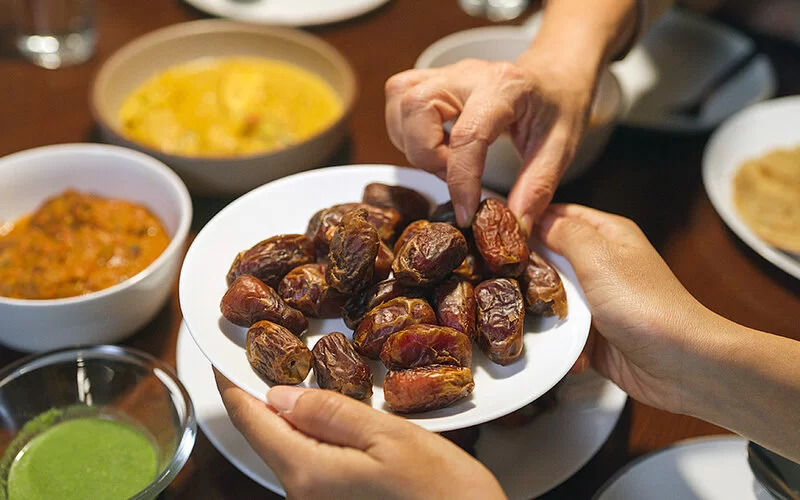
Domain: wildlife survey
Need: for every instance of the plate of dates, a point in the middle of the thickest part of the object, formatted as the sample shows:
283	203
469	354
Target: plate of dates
356	279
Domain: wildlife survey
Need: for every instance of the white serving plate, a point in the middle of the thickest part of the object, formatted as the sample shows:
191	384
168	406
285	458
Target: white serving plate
285	206
749	134
287	12
566	437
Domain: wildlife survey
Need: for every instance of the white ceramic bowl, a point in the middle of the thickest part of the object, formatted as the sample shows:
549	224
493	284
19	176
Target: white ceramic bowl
507	43
180	43
106	316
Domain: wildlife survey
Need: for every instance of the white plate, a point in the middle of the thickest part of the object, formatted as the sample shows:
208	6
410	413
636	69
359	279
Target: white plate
698	469
287	12
753	132
675	62
285	206
566	437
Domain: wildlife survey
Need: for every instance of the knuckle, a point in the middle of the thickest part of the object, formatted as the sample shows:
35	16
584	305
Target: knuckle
506	70
400	82
418	98
468	132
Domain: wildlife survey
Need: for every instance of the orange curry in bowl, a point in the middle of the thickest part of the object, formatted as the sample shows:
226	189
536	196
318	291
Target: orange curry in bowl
77	243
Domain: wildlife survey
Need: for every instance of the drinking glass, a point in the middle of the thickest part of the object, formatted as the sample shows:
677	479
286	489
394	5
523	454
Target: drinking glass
54	33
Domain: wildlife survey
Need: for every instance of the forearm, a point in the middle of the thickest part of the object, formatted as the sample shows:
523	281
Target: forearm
749	382
583	35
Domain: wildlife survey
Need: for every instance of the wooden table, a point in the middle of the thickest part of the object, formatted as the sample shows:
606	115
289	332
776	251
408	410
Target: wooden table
652	178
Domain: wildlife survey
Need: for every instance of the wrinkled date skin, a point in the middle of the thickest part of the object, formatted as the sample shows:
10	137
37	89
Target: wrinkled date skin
272	258
426	388
411	204
386	319
354	248
306	289
430	255
501	318
249	300
359	305
471	269
499	239
422	345
544	291
276	354
455	306
323	224
383	263
339	368
410	231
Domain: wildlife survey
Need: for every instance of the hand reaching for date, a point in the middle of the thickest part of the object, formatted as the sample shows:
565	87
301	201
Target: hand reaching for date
649	325
543	105
322	444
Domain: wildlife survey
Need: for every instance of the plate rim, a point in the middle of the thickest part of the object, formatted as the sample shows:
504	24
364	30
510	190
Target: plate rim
434	424
318	20
727	212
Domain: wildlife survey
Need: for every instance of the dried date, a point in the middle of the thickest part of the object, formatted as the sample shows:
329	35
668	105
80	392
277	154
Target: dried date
353	251
444	213
249	300
338	367
386	319
544	291
306	289
455	306
410	230
422	345
323	224
409	203
500	239
272	258
471	269
426	388
383	262
359	305
501	317
430	255
277	355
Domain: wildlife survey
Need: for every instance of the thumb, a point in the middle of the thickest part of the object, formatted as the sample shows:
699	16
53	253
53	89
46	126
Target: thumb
331	417
572	237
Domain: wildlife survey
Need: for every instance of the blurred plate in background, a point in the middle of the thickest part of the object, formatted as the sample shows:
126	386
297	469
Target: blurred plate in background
752	133
287	12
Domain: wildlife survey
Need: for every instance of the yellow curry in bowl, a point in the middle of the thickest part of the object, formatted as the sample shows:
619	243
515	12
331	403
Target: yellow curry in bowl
229	107
75	244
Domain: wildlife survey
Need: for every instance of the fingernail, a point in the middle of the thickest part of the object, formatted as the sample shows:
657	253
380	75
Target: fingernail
462	218
283	398
527	224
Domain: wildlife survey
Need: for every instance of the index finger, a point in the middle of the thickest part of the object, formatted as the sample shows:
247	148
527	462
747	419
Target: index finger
278	444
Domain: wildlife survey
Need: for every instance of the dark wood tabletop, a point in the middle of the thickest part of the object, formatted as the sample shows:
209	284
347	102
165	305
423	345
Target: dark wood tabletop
654	178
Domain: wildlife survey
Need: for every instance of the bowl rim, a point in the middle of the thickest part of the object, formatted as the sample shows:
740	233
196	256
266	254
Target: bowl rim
161	370
211	26
177	242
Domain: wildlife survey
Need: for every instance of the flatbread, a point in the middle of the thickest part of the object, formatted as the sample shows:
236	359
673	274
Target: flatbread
766	192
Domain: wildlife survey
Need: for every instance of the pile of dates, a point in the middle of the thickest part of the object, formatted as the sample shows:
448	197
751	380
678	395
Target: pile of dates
416	290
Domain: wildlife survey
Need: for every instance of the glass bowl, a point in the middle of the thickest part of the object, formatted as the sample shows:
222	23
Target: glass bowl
104	381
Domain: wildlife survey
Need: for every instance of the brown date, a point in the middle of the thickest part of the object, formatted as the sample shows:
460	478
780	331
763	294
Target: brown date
410	230
471	269
455	306
306	289
444	213
499	239
430	255
383	262
272	258
544	291
501	317
323	224
276	354
358	305
354	248
338	367
387	318
422	345
250	300
410	203
426	388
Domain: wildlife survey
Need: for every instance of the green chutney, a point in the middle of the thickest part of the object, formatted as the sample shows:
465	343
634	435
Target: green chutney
83	458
